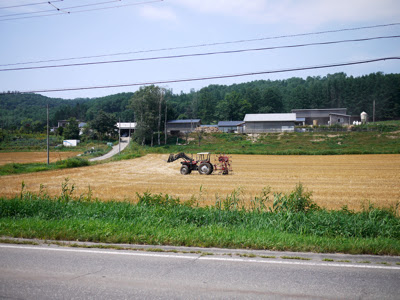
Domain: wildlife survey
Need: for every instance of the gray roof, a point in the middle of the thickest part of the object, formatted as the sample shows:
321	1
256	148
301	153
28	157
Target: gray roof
341	115
318	109
270	117
229	123
184	121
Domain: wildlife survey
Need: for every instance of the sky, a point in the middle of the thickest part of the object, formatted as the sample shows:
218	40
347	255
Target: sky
34	33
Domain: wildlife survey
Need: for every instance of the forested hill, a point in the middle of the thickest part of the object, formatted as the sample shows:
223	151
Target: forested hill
220	102
357	94
17	108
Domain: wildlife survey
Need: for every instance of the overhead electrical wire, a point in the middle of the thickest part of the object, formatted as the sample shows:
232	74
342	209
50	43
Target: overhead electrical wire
203	45
84	10
213	77
30	4
199	54
59	9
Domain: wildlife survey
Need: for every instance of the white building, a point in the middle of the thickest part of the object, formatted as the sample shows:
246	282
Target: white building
260	123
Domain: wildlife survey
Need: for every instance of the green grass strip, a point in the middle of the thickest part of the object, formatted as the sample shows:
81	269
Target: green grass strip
168	222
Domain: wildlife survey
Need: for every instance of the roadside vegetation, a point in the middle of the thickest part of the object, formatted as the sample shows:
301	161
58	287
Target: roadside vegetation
275	221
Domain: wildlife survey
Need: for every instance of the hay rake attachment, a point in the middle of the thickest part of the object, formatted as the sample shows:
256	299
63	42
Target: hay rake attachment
223	164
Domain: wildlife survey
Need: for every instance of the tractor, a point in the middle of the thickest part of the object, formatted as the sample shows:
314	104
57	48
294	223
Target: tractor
202	163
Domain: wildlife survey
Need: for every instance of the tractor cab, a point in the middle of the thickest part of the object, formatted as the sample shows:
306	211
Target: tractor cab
203	157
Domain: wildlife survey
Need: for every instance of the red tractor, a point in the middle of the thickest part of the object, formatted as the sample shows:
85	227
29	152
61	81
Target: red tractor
202	163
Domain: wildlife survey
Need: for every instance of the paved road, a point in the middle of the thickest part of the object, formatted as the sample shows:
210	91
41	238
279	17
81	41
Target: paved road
52	272
115	149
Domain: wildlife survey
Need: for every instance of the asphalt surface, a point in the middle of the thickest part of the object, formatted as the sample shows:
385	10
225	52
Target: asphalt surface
48	271
124	142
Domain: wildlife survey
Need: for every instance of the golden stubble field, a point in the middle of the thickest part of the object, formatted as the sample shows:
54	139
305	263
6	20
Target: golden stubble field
33	157
334	180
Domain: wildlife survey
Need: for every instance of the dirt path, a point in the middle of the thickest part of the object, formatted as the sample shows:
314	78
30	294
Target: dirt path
124	142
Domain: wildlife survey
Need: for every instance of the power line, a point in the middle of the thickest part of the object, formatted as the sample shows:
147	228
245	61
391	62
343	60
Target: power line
200	54
30	4
84	10
58	9
213	77
64	9
204	45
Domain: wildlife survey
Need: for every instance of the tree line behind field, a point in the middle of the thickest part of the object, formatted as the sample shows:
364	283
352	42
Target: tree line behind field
151	105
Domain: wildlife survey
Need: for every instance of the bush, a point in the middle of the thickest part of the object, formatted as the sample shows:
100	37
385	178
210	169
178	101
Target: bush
297	201
73	162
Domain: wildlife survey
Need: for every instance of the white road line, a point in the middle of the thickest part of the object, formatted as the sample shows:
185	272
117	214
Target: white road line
199	257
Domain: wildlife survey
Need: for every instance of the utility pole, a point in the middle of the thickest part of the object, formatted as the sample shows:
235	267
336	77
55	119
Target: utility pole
48	131
159	118
165	123
119	136
373	112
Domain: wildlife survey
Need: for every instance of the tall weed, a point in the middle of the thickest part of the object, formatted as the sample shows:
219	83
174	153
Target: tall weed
298	200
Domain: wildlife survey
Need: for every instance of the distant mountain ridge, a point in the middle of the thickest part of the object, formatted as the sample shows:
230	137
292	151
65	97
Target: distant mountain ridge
225	102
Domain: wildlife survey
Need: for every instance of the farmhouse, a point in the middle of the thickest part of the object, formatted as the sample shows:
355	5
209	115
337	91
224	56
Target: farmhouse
229	126
259	123
184	126
321	116
63	123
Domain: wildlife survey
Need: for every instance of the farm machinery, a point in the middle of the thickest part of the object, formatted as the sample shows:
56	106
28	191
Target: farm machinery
202	163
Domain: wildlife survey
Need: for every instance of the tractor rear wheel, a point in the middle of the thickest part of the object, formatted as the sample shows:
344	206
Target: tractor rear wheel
205	169
185	170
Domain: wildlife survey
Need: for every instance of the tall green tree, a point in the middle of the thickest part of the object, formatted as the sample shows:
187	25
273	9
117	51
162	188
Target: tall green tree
149	106
104	124
272	98
71	130
26	125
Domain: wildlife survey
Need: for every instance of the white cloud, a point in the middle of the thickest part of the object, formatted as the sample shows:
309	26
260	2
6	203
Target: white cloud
158	13
299	12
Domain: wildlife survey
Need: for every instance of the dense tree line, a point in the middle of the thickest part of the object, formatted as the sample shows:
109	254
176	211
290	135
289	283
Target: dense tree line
213	103
357	94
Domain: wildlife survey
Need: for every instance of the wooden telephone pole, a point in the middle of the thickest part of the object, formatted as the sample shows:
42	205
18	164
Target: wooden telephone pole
373	111
48	132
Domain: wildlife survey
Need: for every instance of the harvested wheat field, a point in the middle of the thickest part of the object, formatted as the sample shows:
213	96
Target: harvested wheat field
334	180
33	157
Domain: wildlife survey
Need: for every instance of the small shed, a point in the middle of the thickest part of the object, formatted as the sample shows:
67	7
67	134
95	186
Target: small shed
340	119
260	123
229	126
70	143
300	121
127	128
318	116
184	126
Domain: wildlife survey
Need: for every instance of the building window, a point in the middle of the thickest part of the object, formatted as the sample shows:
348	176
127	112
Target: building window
338	120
